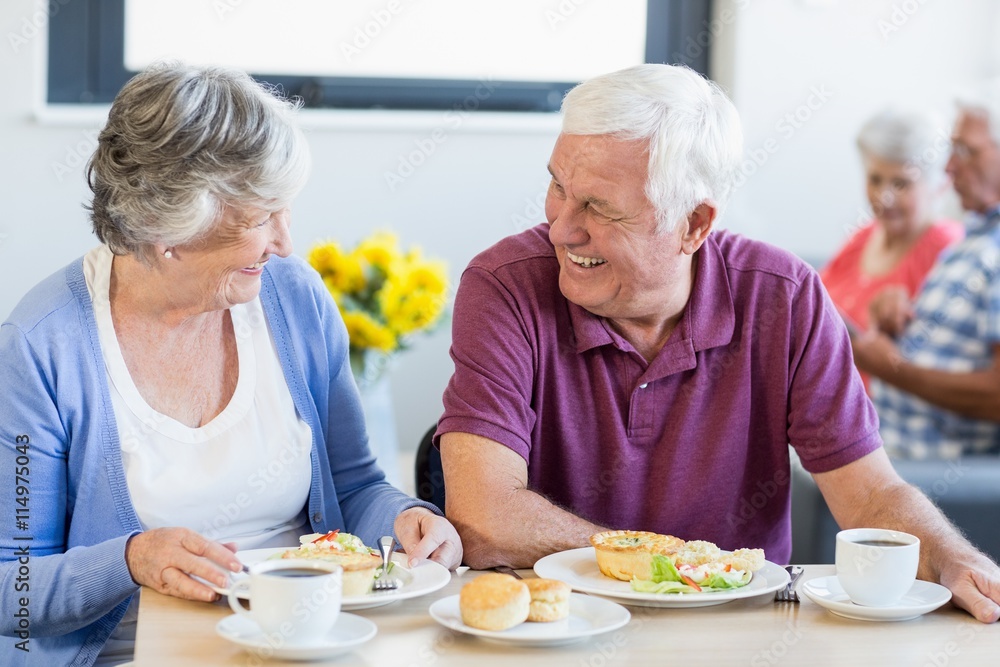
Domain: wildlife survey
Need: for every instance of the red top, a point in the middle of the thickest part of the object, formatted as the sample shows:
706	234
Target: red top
852	290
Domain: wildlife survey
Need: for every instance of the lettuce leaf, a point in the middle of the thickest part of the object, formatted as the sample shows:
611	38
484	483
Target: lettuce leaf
644	586
727	580
667	579
664	570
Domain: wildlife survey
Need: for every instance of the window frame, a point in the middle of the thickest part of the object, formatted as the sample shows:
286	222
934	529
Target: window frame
86	52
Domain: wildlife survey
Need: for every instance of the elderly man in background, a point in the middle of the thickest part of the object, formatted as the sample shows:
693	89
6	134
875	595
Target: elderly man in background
938	385
623	366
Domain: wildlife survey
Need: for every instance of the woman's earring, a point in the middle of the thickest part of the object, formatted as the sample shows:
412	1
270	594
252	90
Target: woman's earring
167	254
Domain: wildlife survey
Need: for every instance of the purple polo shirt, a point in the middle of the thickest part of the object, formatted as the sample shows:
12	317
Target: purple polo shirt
694	444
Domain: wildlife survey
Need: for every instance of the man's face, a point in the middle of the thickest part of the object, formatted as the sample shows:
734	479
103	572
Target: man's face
611	260
974	165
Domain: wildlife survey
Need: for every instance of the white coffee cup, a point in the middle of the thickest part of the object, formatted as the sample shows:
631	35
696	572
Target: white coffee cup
875	566
294	602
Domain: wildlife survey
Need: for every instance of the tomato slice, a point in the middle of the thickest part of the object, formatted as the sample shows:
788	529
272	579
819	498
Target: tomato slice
329	537
690	582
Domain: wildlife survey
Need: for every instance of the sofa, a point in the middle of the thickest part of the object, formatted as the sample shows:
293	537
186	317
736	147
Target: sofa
967	490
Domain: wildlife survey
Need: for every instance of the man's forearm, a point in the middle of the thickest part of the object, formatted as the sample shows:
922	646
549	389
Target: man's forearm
974	394
519	530
905	508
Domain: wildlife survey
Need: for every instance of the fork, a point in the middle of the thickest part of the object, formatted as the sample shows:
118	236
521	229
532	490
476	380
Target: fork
383	582
788	593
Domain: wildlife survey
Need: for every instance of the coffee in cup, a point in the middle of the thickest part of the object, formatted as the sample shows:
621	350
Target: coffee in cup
875	566
294	602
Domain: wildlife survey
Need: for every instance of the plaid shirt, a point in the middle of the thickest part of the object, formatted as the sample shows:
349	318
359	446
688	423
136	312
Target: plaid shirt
956	325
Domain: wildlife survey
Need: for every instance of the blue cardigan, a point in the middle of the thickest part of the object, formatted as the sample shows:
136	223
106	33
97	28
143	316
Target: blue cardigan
62	570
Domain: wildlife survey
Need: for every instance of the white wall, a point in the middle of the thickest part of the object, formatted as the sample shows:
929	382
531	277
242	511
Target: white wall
481	182
862	55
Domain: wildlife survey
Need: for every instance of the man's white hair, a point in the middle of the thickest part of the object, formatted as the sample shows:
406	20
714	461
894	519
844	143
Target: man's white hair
983	100
695	140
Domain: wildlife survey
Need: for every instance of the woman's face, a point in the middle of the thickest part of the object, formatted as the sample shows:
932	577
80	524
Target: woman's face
224	267
899	196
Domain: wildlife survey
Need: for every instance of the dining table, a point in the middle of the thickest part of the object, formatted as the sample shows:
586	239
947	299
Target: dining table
755	631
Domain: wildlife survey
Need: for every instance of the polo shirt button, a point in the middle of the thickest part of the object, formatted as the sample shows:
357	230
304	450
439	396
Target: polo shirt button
643	386
317	517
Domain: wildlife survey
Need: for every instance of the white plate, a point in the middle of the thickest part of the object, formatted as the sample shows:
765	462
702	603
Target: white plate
923	597
421	580
588	616
349	632
578	568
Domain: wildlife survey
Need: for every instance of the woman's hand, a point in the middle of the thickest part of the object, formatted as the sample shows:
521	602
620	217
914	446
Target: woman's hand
890	310
163	558
424	534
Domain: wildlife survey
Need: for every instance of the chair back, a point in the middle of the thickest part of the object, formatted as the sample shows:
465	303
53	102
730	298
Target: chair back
429	474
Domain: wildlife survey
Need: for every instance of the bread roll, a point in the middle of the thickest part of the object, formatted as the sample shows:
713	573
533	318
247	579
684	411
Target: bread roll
494	601
549	600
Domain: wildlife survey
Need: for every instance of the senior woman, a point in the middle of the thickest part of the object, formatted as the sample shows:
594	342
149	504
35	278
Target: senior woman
903	159
182	391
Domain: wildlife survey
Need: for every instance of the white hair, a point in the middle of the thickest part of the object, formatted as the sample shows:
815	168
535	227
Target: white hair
694	136
910	138
983	100
181	144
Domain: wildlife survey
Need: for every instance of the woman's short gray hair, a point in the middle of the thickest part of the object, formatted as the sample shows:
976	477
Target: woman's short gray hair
182	143
907	137
695	140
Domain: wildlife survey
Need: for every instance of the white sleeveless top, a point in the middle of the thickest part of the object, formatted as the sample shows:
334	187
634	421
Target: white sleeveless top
243	477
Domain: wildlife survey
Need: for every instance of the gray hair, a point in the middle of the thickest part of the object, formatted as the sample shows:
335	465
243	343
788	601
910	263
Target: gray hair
181	144
907	137
983	100
695	140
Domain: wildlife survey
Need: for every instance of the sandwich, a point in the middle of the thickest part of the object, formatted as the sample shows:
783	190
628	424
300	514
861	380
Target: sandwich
358	561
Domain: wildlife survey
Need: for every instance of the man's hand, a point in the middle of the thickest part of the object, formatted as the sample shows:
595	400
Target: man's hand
164	558
423	534
890	310
869	493
975	587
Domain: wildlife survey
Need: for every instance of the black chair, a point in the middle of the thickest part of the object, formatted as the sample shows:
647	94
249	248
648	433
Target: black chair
428	471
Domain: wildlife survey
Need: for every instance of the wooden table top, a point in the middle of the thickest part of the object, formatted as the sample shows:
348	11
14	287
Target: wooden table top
755	632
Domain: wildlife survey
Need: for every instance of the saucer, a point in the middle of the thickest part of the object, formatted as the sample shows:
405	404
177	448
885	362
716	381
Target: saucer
349	632
920	599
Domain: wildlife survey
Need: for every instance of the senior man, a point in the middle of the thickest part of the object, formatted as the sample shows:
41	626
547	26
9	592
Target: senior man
623	366
937	390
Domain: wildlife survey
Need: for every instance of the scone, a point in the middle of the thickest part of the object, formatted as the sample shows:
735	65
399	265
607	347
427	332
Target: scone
549	600
494	602
628	554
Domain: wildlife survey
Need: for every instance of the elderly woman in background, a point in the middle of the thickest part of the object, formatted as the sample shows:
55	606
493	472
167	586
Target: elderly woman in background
904	174
182	391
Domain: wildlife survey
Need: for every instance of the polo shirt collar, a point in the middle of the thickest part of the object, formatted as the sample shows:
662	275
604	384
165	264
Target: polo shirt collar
708	321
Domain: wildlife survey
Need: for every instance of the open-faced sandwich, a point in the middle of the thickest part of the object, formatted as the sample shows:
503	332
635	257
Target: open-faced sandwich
656	563
359	562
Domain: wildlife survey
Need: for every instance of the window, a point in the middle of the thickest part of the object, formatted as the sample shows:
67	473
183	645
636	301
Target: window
517	55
